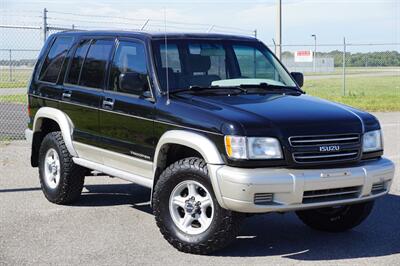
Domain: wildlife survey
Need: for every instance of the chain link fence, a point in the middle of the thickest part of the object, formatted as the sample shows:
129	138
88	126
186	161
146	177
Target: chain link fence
362	75
366	76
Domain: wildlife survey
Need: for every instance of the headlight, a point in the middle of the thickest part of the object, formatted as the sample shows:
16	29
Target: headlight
252	148
372	141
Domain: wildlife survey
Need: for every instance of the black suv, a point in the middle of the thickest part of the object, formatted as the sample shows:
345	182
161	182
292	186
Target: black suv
214	124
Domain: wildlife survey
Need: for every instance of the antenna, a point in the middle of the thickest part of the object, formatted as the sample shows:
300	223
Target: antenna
166	54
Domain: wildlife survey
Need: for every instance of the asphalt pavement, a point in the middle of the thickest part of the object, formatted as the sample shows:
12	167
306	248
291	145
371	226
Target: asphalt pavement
112	224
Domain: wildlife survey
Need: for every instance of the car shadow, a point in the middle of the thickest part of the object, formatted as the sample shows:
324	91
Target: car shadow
281	234
285	235
116	194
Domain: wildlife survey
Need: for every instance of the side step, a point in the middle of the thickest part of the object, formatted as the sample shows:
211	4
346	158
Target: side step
140	180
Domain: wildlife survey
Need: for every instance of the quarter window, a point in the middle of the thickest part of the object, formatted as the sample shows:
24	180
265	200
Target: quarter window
54	59
129	69
94	66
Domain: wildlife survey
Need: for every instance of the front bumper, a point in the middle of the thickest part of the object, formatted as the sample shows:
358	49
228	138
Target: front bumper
237	187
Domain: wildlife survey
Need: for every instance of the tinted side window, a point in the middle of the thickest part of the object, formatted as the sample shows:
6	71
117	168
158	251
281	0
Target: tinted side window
93	71
77	61
129	69
54	59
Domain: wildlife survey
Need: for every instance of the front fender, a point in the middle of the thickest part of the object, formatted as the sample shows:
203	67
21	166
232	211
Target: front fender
202	145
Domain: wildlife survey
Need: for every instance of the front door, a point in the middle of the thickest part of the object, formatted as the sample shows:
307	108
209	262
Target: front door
127	110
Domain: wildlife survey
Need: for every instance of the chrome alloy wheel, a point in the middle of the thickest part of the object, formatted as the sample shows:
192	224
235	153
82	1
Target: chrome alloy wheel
52	168
191	207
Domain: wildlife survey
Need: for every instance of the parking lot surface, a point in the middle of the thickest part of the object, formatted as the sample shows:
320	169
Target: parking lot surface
112	224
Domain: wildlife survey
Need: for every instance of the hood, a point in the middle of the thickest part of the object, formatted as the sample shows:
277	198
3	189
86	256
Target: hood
284	115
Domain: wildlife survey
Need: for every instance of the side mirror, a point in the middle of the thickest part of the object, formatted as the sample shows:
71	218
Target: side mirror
133	83
298	77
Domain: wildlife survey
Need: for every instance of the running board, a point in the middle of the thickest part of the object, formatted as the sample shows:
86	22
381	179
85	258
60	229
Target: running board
140	180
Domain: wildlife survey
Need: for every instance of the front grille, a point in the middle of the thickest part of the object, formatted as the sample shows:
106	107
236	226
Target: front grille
322	195
324	140
307	149
328	157
378	188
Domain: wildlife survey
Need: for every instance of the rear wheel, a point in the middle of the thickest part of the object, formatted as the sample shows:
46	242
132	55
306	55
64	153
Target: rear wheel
187	212
338	218
61	180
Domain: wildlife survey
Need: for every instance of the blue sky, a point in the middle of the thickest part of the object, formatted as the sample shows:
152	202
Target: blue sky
368	21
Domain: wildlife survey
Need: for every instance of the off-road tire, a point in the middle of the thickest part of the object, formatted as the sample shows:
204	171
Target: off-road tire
224	227
331	220
72	176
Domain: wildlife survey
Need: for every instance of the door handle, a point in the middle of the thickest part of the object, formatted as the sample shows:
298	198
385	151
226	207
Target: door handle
108	103
66	95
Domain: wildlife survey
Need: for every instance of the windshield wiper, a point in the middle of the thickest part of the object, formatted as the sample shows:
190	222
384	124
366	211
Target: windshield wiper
265	85
269	87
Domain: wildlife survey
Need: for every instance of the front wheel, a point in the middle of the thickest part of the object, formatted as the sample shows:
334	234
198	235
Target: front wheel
187	212
337	218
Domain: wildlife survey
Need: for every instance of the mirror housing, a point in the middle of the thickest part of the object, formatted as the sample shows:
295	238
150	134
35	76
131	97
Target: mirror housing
298	77
133	83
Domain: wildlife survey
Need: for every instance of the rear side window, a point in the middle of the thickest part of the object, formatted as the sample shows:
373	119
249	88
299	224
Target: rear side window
54	59
94	66
77	61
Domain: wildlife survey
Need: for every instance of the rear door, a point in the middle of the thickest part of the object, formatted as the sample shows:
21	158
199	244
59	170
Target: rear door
127	110
83	87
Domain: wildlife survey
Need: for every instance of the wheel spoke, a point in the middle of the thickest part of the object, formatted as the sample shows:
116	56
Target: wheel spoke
203	220
192	190
179	201
205	202
187	220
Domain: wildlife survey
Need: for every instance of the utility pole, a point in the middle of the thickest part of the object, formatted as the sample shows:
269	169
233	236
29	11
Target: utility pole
44	25
315	53
344	66
278	46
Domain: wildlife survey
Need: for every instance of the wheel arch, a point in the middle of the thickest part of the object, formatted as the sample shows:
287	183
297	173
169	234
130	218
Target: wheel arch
48	119
192	144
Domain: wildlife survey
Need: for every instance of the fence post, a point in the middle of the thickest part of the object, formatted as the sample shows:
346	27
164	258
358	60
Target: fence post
44	25
344	66
10	77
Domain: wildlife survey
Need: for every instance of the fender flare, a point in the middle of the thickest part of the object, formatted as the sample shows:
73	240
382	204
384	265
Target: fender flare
201	144
63	121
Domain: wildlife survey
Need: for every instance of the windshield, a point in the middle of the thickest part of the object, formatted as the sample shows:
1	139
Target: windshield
206	63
